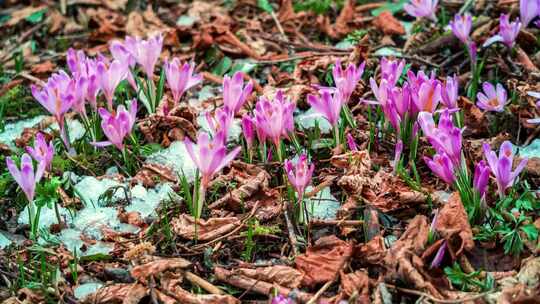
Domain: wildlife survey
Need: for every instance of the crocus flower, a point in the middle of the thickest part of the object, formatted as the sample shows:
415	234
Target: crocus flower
346	80
328	104
248	129
120	52
401	98
145	52
117	125
281	299
528	10
57	97
391	70
501	166
275	118
26	178
445	137
180	77
422	8
221	121
299	174
439	256
481	177
442	166
450	93
461	27
382	94
351	143
210	156
42	151
235	93
507	31
109	78
428	97
492	99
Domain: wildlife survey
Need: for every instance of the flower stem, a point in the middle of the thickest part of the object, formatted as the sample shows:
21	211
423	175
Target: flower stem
336	134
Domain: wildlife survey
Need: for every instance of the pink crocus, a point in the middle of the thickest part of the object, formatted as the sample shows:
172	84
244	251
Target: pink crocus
351	143
391	70
274	118
281	299
449	93
401	98
117	125
397	154
120	52
235	93
180	77
428	97
528	10
209	155
492	99
145	52
472	48
508	31
481	177
445	137
422	8
346	80
57	97
248	129
299	174
221	121
382	94
26	178
461	27
109	79
439	256
42	151
501	166
328	104
442	166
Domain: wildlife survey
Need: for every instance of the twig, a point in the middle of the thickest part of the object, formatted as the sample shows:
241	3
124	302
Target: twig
278	24
320	292
316	222
432	298
195	279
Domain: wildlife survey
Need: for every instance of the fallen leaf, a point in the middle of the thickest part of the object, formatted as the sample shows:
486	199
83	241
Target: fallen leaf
388	24
452	222
323	261
44	67
372	252
158	266
21	14
206	230
355	283
282	275
117	293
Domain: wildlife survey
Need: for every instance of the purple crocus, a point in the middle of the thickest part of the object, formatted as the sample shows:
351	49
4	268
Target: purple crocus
180	77
281	299
492	99
57	97
391	70
235	93
461	27
109	78
481	177
328	104
299	174
248	128
346	80
383	95
145	52
275	118
422	8
508	32
221	121
445	138
26	178
84	69
42	151
210	156
351	143
117	125
442	166
428	97
439	256
528	10
472	48
449	93
501	166
120	52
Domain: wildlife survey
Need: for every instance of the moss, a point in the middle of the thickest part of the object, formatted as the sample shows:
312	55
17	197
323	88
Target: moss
19	103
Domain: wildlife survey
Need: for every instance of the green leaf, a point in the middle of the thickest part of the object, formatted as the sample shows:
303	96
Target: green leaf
531	231
223	66
265	6
36	17
392	7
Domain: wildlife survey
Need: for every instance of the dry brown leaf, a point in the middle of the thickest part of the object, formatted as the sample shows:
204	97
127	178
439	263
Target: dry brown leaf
118	293
43	67
388	24
355	283
452	223
346	15
207	230
415	237
323	261
282	275
158	266
20	14
151	174
165	129
372	252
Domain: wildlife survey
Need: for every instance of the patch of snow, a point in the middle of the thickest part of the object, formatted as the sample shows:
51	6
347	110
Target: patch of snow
309	118
83	290
14	130
177	158
75	129
47	216
145	201
89	189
